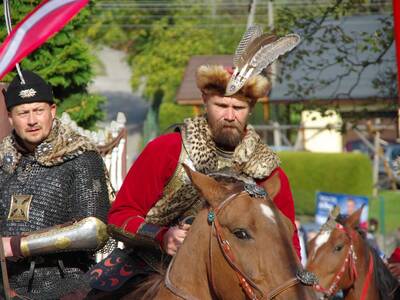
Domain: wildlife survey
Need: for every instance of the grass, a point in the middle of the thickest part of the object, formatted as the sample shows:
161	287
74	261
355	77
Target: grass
391	208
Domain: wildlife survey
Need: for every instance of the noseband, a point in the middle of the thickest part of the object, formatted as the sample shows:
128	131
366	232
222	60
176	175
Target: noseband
248	286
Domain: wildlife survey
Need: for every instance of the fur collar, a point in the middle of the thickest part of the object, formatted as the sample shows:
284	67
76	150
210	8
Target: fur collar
61	145
251	157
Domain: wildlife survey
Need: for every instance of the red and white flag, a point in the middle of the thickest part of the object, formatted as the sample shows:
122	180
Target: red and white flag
39	25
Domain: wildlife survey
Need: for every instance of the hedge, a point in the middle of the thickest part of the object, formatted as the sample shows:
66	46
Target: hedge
171	114
347	173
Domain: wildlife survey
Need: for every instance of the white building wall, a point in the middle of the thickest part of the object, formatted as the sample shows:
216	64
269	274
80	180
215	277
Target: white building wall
320	139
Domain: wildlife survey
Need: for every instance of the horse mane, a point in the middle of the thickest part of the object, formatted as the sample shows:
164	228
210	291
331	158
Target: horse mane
385	282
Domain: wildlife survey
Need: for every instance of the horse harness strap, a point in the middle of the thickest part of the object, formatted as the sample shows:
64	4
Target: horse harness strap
246	283
175	290
350	261
283	287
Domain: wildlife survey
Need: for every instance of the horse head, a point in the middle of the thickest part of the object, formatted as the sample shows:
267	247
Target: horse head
341	259
242	245
331	255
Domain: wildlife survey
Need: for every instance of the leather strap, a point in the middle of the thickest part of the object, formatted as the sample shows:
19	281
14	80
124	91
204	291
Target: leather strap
280	289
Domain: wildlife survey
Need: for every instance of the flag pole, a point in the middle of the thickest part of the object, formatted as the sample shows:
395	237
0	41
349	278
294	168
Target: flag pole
396	20
7	16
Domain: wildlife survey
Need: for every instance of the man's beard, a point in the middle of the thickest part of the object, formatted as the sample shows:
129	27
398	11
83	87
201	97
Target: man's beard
227	135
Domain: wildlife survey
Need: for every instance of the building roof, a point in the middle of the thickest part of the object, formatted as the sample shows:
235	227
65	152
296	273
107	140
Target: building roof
339	90
363	91
188	93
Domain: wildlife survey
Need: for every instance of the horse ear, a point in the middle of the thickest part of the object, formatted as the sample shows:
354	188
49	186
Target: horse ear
353	220
333	214
212	191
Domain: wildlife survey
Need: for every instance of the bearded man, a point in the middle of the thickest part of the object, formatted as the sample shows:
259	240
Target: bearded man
54	195
156	200
156	193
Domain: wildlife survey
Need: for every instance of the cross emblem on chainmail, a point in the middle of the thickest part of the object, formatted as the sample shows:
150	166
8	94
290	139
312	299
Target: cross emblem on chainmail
19	207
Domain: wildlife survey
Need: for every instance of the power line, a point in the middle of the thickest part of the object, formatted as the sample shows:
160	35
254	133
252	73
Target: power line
138	26
172	16
207	4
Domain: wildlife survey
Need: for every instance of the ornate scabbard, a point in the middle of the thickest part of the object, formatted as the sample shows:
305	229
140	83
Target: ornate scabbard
87	234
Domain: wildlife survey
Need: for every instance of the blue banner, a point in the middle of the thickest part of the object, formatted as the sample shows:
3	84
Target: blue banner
347	203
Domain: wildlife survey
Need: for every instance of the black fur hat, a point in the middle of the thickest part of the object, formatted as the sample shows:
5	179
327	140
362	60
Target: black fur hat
35	89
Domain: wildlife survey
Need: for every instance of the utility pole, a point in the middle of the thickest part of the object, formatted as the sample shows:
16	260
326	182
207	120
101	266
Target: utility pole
213	8
375	169
252	12
396	19
270	15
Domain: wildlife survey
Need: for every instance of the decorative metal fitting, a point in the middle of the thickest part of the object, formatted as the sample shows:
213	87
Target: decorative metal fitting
44	148
255	191
28	93
307	277
211	216
8	159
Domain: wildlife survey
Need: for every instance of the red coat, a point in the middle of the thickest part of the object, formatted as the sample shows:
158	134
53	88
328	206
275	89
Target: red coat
144	185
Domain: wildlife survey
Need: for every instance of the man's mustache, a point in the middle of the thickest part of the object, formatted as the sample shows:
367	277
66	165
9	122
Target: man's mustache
223	125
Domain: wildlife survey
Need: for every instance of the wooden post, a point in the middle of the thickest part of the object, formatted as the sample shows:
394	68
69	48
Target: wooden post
197	110
396	21
375	169
277	135
265	105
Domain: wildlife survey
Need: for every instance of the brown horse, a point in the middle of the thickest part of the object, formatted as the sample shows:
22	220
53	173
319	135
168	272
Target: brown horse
239	247
341	259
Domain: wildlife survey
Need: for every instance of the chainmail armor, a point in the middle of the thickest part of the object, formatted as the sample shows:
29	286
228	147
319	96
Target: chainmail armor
47	283
61	193
68	190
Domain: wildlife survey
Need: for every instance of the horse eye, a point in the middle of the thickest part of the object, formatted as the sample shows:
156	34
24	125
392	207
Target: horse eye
242	234
338	248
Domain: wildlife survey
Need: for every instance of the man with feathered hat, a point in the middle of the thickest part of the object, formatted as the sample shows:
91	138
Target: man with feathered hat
54	195
156	194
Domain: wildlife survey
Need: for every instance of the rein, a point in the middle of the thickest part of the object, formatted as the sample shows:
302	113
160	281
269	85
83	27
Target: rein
248	286
245	282
349	262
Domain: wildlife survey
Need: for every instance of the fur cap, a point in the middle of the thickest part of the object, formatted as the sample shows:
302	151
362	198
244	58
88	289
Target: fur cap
213	79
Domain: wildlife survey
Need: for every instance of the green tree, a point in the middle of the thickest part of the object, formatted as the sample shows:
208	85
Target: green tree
161	38
65	61
319	24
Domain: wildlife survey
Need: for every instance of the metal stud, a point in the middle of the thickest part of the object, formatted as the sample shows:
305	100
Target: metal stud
211	216
255	191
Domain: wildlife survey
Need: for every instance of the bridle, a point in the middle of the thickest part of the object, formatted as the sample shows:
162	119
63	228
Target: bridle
349	262
248	286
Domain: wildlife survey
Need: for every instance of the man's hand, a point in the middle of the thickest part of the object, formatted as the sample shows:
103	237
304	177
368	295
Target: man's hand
174	237
7	247
395	269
